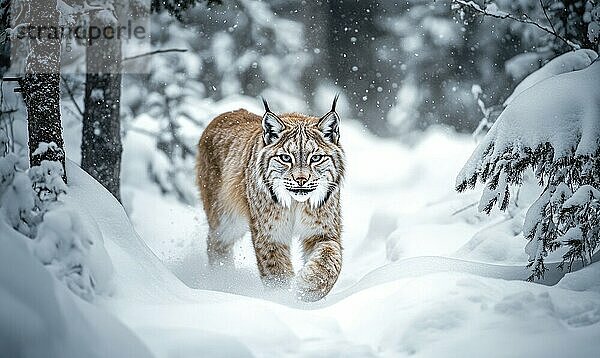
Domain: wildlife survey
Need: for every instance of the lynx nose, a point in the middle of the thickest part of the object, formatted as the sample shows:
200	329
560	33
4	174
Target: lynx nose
301	180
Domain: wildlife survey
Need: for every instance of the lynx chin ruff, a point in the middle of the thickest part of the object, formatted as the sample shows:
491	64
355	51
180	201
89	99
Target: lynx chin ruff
279	177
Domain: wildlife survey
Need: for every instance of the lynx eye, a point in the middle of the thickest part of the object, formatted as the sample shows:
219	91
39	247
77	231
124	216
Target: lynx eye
286	158
316	158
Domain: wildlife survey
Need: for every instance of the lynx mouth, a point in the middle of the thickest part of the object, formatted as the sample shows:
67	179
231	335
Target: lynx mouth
301	191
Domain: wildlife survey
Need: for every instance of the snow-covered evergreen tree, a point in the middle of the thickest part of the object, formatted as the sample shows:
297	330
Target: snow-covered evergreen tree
552	126
30	203
17	198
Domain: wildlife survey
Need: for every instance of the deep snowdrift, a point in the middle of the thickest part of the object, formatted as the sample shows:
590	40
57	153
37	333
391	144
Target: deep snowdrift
466	299
424	274
40	317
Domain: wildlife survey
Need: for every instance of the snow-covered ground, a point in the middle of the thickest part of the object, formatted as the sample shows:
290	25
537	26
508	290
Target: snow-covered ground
424	274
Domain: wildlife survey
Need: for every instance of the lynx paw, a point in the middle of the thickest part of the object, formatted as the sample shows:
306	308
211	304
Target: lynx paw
309	288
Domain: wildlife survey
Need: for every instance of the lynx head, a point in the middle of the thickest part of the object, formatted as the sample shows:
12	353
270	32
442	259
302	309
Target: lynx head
302	159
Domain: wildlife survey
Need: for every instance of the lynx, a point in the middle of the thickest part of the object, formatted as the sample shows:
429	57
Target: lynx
278	177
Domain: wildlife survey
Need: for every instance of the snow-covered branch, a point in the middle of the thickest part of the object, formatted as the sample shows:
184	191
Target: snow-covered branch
552	128
492	10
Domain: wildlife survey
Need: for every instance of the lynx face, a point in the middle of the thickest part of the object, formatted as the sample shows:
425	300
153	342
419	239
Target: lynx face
302	159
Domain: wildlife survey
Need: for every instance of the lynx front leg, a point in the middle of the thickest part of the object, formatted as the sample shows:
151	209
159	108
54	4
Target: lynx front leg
219	251
274	263
221	237
323	265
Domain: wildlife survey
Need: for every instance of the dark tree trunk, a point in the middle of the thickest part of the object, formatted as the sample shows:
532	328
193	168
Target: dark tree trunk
4	40
101	140
41	85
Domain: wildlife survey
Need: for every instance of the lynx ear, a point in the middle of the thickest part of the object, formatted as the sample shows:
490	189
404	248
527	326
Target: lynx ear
272	125
329	124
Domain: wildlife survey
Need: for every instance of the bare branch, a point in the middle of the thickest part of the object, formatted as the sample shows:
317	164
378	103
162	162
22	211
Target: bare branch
154	53
70	92
525	20
546	15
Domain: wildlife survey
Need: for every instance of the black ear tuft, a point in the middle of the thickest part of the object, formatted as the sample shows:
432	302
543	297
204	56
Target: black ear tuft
335	99
272	125
329	126
265	104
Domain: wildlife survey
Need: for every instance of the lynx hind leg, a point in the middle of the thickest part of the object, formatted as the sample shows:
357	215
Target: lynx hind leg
221	236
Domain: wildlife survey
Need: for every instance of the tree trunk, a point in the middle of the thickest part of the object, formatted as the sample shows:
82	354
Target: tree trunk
101	146
41	85
5	39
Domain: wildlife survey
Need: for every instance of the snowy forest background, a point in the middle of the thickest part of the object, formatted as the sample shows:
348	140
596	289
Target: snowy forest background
435	97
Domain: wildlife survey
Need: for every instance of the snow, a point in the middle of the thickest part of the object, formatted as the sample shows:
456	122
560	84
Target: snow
582	196
561	109
40	317
424	273
522	65
62	244
567	62
44	147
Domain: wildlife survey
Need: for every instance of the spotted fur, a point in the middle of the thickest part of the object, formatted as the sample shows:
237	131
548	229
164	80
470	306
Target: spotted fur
278	177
